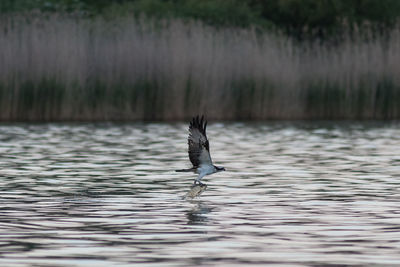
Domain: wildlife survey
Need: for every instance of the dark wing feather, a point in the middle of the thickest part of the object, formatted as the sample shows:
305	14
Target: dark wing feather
199	148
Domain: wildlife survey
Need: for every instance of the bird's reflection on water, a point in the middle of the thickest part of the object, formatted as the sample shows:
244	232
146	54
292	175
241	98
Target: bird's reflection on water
197	215
295	194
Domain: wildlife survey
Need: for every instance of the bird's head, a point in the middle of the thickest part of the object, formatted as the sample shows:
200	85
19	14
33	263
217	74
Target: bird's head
219	169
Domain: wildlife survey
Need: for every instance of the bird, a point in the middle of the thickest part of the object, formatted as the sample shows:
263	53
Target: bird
199	150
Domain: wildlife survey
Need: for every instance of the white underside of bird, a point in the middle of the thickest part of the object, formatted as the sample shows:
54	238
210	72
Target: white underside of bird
205	169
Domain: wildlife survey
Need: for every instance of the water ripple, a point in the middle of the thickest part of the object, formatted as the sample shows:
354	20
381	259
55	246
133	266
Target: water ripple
303	194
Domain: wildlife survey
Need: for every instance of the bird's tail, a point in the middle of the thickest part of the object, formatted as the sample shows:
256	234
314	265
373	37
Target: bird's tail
185	170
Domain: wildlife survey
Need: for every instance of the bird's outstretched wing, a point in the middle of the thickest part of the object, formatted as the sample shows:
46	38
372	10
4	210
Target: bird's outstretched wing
199	148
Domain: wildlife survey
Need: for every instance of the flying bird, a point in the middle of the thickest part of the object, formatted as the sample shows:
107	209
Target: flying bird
199	150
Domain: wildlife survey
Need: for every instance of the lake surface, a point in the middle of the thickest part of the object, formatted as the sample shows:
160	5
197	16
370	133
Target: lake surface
294	194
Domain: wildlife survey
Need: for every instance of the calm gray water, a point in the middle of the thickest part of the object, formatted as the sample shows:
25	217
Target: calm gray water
294	194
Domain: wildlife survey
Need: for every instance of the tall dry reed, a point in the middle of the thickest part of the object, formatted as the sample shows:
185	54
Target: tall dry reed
63	68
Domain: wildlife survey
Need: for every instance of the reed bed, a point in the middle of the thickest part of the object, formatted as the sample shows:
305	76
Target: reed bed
61	68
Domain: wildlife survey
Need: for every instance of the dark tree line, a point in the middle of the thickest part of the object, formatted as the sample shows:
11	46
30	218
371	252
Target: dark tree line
299	18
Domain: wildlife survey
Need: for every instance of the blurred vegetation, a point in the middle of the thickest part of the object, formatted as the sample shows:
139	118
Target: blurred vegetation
298	18
115	61
62	68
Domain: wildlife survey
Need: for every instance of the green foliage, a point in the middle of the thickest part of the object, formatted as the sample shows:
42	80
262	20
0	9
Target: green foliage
219	12
213	12
384	12
17	5
7	6
321	18
153	8
298	18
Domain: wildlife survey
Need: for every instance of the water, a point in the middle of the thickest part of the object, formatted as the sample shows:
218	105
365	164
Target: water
294	194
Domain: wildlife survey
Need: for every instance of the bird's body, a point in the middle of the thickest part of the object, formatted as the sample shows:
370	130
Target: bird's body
199	150
205	169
